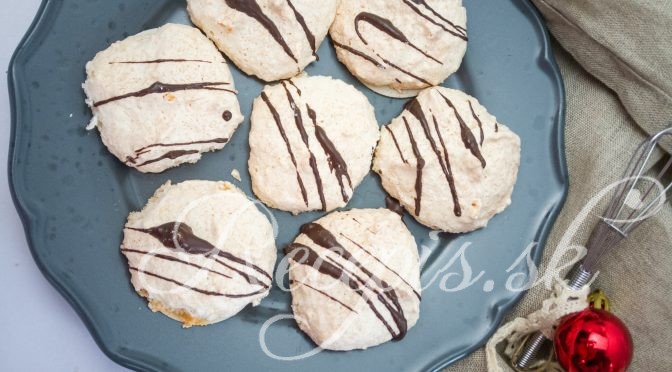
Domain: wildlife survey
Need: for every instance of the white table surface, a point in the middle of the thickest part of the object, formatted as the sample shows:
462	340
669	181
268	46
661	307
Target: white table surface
39	331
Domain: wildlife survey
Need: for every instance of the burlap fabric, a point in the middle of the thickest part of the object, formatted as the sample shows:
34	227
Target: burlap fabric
616	60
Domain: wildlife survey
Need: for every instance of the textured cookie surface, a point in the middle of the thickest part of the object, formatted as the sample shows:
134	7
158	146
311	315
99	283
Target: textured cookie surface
271	39
354	278
161	98
397	46
448	161
200	251
311	143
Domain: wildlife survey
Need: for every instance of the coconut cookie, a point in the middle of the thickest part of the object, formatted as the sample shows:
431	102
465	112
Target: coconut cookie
401	46
271	39
311	143
200	251
161	98
354	278
448	161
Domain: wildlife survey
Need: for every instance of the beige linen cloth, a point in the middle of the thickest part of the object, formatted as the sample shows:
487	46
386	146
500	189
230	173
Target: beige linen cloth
616	60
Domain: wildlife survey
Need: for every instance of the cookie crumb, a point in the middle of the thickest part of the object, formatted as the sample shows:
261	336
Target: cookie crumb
236	174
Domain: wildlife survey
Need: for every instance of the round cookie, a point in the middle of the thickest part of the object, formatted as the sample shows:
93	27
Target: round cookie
162	97
401	46
354	278
200	251
448	161
311	143
271	39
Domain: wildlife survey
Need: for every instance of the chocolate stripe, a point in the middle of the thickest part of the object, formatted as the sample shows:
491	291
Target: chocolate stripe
478	120
309	35
305	255
295	87
467	137
298	120
324	238
419	164
382	263
399	320
278	122
215	140
174	259
252	9
180	236
336	162
459	31
386	26
141	151
424	3
248	278
457	209
328	296
396	144
414	76
195	289
159	87
169	155
357	53
157	61
416	110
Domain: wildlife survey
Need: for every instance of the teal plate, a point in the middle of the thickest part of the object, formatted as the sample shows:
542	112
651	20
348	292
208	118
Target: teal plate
73	196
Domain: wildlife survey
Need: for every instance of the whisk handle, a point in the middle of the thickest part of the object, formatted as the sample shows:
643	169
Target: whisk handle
578	279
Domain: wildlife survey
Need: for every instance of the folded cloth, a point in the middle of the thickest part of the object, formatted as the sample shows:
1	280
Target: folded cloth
625	45
616	62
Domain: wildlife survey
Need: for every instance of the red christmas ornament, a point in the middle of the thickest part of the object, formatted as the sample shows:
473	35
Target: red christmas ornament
593	340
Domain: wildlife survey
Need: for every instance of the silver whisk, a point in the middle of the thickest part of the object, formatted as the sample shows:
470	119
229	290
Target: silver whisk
636	198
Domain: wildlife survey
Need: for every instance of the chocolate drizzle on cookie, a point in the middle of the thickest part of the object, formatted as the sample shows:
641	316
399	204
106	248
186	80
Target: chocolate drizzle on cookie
419	165
336	163
396	144
363	280
304	137
309	35
160	88
455	30
358	53
386	26
143	150
403	70
227	115
174	259
416	110
399	210
457	209
478	120
196	289
169	155
180	237
327	295
162	60
252	9
467	137
278	122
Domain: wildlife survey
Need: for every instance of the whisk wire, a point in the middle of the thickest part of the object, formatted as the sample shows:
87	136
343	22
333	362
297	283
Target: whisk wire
617	222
